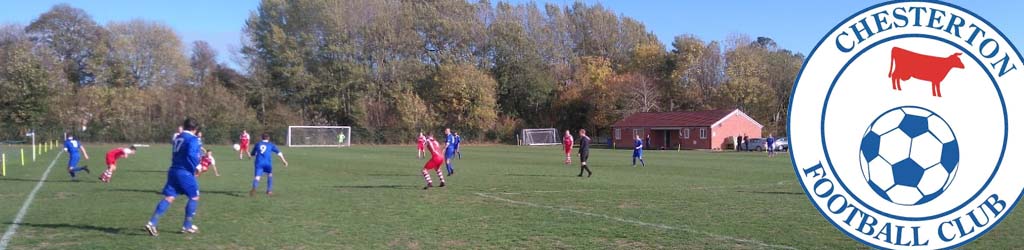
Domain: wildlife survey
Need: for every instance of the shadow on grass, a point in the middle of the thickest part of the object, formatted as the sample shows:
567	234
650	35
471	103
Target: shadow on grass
393	175
144	171
109	230
135	191
201	192
228	193
541	175
36	180
771	192
377	187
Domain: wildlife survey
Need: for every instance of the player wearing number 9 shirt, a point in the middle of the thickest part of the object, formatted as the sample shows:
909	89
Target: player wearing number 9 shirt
262	152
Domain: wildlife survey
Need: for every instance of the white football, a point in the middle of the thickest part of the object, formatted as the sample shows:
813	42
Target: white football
236	147
909	155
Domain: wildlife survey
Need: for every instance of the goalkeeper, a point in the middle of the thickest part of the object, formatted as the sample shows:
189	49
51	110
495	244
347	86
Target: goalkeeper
341	139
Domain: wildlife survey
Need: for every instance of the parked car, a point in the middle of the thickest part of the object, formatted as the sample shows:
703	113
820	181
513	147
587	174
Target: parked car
756	144
782	144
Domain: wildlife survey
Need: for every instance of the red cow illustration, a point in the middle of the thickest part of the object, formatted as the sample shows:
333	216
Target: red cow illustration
905	64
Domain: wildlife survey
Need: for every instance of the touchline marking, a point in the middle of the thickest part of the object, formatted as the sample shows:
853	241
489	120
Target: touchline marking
635	222
699	188
24	207
554	191
766	185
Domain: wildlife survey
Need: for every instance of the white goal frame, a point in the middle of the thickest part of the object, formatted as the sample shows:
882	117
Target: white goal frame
529	136
348	137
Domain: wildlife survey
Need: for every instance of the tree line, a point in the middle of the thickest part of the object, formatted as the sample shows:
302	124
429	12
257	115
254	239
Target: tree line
387	68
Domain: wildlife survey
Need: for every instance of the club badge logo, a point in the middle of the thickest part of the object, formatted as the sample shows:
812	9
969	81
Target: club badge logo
901	126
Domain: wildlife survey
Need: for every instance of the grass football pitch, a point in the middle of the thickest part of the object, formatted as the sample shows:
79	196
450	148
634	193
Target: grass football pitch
370	197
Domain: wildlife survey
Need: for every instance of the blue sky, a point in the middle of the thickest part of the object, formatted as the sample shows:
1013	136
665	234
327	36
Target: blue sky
795	25
218	22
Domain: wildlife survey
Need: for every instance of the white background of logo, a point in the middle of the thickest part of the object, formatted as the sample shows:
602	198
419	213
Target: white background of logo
969	104
864	92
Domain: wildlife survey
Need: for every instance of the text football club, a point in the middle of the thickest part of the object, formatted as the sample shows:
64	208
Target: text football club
900	126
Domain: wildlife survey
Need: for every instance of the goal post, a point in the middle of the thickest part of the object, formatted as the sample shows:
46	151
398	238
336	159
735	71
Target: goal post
319	136
540	136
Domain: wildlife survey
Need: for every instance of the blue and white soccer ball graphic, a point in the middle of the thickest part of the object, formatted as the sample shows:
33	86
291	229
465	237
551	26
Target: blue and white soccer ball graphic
909	155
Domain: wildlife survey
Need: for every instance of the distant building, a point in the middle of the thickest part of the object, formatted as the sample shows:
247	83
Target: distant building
711	129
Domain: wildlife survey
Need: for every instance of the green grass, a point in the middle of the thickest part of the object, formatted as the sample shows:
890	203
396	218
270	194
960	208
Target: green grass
502	197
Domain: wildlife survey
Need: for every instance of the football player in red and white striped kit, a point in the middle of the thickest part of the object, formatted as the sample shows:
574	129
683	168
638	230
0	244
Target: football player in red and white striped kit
567	144
435	162
112	156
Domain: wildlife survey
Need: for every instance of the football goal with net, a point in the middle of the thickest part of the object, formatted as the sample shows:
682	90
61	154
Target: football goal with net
540	136
319	136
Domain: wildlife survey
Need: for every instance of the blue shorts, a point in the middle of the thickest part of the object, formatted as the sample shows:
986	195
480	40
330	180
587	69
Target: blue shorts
73	161
181	181
638	153
260	169
449	153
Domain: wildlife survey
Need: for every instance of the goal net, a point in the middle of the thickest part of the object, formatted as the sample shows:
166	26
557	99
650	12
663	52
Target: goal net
319	136
540	136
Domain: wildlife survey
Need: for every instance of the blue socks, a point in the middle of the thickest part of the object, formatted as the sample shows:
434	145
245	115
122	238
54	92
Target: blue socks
74	170
641	162
270	183
190	211
160	209
448	166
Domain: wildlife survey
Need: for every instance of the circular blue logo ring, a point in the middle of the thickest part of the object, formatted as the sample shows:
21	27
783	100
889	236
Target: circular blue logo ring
795	148
839	179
